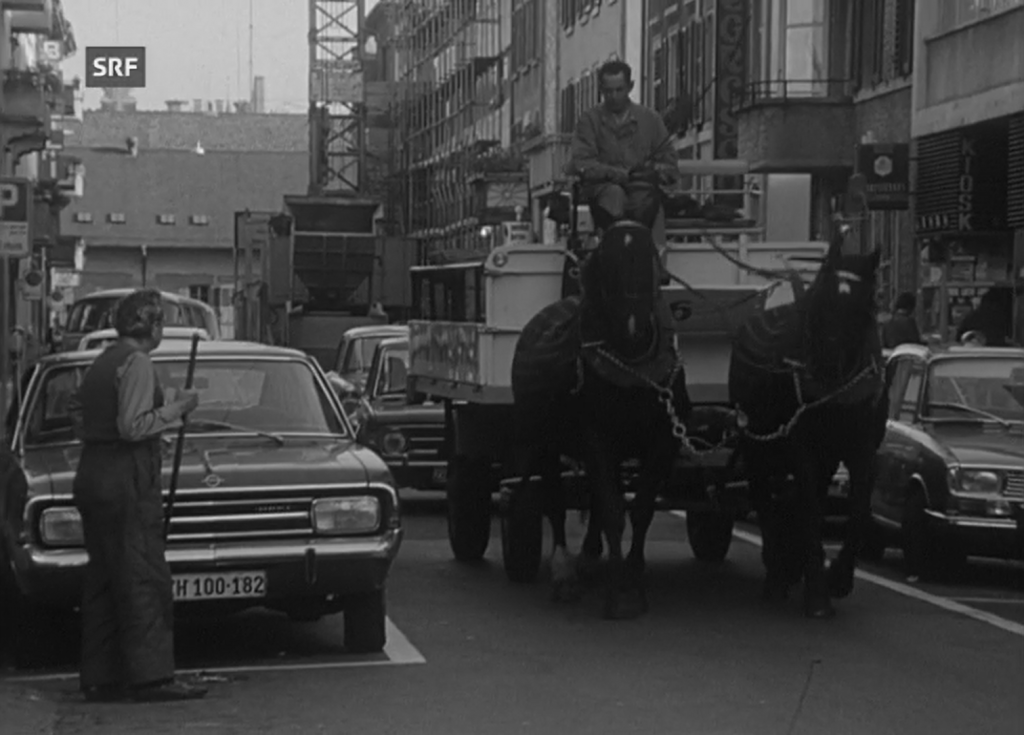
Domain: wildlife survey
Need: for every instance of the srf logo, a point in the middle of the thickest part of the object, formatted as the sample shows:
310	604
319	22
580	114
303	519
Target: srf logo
115	66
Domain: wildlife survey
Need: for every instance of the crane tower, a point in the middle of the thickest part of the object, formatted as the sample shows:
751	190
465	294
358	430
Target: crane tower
337	107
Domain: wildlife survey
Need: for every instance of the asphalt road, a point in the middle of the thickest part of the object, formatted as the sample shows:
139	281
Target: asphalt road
472	654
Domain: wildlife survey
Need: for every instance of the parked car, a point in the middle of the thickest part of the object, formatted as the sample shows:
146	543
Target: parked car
410	438
278	506
96	311
951	469
102	338
356	349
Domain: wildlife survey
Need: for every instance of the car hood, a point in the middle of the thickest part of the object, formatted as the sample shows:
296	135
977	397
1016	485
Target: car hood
237	462
974	447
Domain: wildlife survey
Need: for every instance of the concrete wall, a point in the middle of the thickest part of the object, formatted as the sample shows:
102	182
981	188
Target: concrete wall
971	73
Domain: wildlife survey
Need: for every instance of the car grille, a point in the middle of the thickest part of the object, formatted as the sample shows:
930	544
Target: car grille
425	443
1014	485
236	514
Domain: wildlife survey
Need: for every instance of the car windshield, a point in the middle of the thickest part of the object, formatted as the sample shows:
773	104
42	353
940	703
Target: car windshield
393	373
359	354
268	396
92	315
983	388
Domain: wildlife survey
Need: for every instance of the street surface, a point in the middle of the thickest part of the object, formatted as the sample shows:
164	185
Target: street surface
471	653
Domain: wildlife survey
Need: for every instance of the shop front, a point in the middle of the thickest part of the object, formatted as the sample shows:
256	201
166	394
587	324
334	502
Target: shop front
969	222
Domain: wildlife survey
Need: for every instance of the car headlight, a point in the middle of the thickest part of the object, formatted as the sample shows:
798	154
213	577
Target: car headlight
393	443
976	482
339	516
61	527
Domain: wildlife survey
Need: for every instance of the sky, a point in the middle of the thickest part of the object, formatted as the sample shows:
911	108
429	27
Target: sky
199	49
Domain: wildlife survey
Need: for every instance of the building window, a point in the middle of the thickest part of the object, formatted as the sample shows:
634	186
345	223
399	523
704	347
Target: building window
200	220
83	217
200	293
116	218
165	219
883	42
805	38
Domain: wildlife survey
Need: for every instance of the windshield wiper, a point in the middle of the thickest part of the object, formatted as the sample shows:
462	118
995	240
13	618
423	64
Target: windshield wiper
211	424
972	410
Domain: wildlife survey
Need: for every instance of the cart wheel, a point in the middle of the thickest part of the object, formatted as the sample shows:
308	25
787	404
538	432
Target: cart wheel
469	508
522	536
710	534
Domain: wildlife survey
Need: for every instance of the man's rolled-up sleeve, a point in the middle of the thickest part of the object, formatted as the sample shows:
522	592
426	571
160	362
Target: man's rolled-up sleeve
137	418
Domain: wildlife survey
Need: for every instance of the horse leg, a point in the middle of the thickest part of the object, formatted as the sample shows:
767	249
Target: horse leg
564	579
609	506
589	560
862	479
809	470
770	517
654	475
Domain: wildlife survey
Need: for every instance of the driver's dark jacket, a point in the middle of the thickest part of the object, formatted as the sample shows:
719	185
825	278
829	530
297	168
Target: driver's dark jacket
127	599
604	141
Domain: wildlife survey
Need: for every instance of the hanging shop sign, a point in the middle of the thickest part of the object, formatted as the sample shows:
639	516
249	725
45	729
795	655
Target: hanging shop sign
886	171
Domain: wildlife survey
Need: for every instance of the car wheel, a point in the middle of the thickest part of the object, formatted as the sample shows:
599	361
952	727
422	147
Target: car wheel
469	508
366	623
710	534
925	555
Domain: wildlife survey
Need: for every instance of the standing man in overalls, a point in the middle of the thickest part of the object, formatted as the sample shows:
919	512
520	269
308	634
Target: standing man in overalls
127	601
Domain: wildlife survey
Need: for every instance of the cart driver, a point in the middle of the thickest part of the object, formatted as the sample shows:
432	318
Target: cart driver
618	142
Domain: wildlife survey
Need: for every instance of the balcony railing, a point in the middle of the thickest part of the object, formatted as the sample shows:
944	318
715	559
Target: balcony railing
780	91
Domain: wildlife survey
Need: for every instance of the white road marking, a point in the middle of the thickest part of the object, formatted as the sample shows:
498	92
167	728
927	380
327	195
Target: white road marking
906	590
990	600
398	650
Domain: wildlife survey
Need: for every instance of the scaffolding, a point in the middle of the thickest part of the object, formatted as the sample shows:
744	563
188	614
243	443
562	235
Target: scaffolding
451	117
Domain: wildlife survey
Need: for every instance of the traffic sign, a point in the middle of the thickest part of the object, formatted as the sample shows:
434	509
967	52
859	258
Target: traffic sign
15	218
32	286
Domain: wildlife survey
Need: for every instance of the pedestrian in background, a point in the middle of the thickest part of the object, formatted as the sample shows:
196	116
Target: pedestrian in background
902	328
993	318
127	600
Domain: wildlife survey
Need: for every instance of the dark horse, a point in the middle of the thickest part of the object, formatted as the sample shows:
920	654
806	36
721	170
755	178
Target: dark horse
807	378
593	378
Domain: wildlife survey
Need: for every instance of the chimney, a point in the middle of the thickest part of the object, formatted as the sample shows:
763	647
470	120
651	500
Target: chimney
197	105
258	94
175	105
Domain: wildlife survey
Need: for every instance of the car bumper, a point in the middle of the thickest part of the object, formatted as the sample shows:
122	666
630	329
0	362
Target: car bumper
419	474
983	536
294	568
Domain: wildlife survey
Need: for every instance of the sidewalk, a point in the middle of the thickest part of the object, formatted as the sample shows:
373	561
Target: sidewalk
25	711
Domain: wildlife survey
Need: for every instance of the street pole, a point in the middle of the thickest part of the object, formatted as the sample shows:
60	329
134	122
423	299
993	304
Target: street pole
5	273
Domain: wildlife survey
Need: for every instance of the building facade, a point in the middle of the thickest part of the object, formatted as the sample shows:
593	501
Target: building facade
159	208
968	129
826	93
460	173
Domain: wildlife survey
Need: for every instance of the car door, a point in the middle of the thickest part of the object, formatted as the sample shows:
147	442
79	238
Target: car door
897	372
903	435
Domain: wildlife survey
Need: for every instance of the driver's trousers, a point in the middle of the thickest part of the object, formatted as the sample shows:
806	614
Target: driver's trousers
618	203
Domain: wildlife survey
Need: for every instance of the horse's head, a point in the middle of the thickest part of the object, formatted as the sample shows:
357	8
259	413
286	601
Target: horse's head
620	281
842	307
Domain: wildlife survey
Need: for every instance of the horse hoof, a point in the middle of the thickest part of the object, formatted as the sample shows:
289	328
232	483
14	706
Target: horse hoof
819	609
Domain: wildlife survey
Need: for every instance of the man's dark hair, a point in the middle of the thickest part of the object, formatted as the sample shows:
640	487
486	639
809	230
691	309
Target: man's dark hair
906	301
614	68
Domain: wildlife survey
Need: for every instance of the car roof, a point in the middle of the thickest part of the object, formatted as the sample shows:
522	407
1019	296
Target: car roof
940	352
377	330
392	342
181	348
169	330
121	292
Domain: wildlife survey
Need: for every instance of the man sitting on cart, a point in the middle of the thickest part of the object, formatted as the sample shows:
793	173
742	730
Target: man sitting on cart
619	151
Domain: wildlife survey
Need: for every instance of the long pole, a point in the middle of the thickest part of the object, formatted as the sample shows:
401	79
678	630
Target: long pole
5	331
179	448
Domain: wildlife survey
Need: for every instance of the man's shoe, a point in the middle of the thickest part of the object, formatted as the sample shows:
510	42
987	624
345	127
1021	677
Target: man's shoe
175	690
105	693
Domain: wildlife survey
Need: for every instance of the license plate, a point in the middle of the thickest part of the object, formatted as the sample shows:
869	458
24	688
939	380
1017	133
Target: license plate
220	586
440	475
